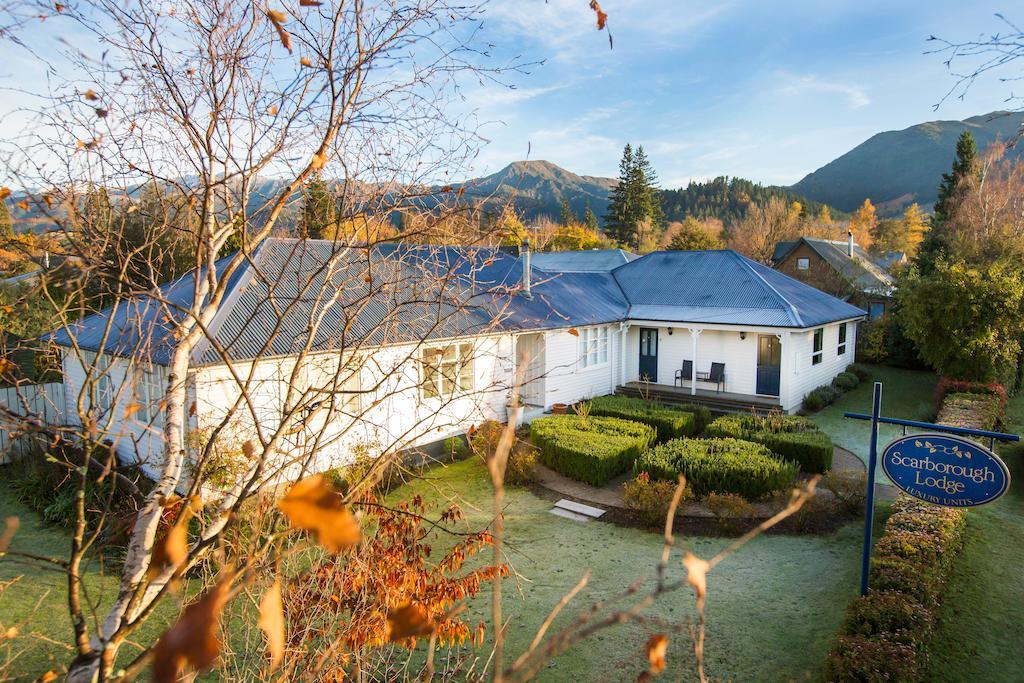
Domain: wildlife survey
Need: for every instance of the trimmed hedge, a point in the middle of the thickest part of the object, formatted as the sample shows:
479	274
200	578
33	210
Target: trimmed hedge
845	381
590	449
964	409
670	423
719	466
788	436
887	632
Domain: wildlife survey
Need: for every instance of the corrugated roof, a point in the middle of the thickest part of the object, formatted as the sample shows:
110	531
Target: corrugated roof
397	293
861	269
723	287
587	261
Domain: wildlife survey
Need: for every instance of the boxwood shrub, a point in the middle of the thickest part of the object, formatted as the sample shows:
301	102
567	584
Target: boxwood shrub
591	449
719	466
789	436
845	381
670	423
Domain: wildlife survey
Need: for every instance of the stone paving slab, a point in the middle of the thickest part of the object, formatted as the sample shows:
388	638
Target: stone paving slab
579	508
568	514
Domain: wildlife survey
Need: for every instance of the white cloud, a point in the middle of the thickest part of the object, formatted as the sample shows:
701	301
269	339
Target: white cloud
793	84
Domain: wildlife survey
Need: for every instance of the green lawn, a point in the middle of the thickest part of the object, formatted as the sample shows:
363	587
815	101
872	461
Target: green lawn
906	394
979	637
36	603
773	608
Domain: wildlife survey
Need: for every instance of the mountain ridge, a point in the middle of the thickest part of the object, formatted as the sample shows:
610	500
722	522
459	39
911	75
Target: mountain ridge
897	167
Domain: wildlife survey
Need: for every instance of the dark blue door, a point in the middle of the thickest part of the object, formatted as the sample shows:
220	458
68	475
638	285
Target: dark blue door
648	354
769	364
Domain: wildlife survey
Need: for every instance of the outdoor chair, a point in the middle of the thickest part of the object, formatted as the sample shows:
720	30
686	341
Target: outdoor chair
686	373
717	376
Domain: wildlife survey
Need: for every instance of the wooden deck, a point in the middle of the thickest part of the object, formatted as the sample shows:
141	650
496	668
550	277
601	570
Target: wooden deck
717	402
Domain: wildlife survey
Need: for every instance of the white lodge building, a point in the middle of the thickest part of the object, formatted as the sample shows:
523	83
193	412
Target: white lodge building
403	345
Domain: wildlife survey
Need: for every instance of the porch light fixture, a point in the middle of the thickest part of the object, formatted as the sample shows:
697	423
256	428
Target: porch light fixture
743	336
670	331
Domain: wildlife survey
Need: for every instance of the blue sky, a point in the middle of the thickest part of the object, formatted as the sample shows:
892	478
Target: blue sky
764	90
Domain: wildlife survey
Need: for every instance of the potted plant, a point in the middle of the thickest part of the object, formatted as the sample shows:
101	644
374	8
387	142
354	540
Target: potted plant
559	408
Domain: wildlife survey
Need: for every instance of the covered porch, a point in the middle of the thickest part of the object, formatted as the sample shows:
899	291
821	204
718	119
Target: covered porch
716	401
725	367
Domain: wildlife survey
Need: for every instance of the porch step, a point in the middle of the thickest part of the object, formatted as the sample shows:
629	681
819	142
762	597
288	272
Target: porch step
579	508
715	403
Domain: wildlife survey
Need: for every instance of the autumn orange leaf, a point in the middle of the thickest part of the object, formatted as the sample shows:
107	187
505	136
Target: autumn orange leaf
309	3
91	95
272	110
304	61
696	576
278	19
172	549
409	621
5	192
23	205
602	18
574	332
50	675
313	505
656	648
131	409
272	622
192	641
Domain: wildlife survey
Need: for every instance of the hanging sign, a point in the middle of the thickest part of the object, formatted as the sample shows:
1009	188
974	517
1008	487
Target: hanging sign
945	470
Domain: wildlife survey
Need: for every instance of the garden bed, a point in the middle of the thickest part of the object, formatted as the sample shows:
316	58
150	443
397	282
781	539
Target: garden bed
591	449
670	422
790	437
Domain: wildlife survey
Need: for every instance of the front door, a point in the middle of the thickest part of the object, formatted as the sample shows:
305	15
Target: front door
769	364
648	354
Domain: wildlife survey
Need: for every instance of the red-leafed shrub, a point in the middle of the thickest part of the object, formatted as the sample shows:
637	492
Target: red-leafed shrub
948	385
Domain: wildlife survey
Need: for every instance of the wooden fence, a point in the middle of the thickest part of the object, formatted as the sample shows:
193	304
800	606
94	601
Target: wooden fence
44	401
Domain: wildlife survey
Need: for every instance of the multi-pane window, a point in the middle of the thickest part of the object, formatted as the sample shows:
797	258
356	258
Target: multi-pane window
152	394
819	342
842	338
447	370
593	346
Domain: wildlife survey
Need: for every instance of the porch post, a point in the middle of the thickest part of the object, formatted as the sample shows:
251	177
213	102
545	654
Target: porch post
785	365
694	334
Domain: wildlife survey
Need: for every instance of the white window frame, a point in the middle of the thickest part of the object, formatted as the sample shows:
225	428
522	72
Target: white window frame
152	383
592	347
803	263
447	371
843	336
817	346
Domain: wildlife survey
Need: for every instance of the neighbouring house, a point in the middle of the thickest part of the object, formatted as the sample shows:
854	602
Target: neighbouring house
437	336
841	268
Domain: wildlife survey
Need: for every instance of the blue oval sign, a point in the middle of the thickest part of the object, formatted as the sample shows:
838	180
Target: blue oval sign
945	470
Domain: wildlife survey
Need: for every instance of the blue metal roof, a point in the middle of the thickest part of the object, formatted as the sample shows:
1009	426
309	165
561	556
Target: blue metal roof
723	287
396	293
587	261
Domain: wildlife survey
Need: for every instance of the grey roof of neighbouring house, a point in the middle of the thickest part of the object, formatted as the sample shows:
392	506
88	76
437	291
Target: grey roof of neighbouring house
861	269
393	293
587	261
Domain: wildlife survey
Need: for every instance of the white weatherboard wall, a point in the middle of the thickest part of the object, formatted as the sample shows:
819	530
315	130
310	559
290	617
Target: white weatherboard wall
392	414
137	438
806	376
567	382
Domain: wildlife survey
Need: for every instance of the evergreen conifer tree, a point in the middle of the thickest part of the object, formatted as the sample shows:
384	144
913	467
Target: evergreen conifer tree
318	211
935	244
590	220
566	215
634	215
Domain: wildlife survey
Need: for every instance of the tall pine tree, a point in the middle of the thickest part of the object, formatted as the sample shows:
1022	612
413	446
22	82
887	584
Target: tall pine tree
935	244
318	210
634	215
590	220
566	215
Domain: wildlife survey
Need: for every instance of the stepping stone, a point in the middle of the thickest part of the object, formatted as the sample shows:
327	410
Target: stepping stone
579	508
569	515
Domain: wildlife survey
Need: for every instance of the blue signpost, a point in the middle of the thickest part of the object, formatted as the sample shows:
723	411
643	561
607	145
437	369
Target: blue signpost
936	467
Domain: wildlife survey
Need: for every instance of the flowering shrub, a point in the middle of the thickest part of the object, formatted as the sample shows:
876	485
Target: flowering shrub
650	499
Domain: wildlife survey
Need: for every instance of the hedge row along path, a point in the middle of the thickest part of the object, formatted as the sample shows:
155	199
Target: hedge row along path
610	496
